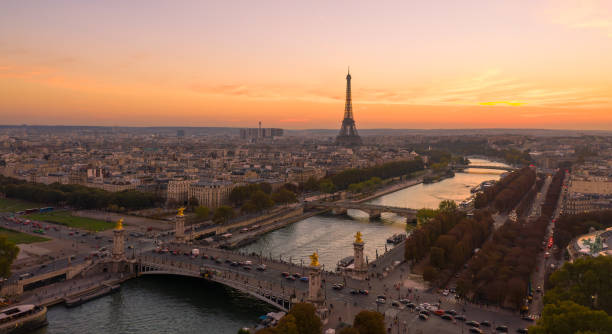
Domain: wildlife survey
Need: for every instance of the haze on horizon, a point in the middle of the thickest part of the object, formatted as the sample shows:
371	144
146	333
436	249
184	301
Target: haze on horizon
448	64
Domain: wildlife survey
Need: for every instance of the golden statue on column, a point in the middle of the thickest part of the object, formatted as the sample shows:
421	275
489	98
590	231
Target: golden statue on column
119	224
180	212
358	238
314	260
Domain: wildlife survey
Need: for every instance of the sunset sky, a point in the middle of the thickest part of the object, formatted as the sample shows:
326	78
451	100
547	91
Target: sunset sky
414	64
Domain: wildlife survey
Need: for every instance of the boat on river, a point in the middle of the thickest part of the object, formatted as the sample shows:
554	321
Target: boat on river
396	238
22	319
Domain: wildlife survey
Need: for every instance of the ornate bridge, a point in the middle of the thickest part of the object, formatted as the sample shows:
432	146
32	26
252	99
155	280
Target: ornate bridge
372	210
269	287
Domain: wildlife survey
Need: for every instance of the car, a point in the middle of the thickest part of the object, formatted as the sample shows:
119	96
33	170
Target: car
485	323
354	292
380	300
248	268
527	318
338	286
475	330
411	305
539	289
290	278
424	312
460	317
502	329
234	264
304	279
447	317
297	275
423	316
445	293
364	292
218	261
522	330
404	301
382	297
205	257
395	303
285	274
439	312
451	312
472	323
261	267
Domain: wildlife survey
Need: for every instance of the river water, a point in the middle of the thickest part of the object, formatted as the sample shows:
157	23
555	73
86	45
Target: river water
162	304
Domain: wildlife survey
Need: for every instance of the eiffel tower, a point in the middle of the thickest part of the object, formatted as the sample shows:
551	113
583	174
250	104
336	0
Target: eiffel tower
348	135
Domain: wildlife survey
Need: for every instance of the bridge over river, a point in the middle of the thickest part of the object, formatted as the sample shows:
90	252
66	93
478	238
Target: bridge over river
373	210
462	167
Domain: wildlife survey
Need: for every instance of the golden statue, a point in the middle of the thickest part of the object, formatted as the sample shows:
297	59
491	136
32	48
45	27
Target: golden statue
358	237
119	224
314	260
180	212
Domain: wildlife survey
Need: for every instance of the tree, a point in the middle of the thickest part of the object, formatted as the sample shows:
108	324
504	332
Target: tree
202	212
223	214
369	322
306	318
284	196
261	200
326	186
193	202
424	215
349	330
430	274
8	254
287	325
447	206
567	317
437	257
586	281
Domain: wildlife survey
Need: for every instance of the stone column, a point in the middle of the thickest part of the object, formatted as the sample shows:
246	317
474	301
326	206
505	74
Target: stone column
119	241
179	226
360	269
315	295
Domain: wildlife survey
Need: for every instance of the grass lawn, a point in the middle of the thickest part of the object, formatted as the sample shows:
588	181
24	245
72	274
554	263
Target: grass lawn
20	237
14	205
65	218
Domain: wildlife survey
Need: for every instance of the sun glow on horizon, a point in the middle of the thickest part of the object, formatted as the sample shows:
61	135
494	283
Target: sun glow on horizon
215	64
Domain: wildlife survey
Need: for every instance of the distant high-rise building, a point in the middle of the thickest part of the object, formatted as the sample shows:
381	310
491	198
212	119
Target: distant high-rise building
260	133
348	135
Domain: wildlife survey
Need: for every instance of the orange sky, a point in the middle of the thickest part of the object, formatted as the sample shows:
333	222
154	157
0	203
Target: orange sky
466	64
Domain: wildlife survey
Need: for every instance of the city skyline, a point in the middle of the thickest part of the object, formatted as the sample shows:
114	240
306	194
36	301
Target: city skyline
470	65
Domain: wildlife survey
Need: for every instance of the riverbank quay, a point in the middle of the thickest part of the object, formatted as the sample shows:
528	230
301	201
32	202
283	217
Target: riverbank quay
246	238
58	293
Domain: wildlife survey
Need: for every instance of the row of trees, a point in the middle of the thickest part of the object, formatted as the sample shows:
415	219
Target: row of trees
568	227
525	204
258	197
507	192
424	237
477	146
342	180
455	247
77	196
302	319
499	273
579	299
8	254
365	186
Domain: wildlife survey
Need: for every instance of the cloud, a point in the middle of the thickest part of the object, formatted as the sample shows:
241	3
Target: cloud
590	14
509	103
295	120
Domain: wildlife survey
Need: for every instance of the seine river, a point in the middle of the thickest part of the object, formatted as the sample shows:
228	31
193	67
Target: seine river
181	305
